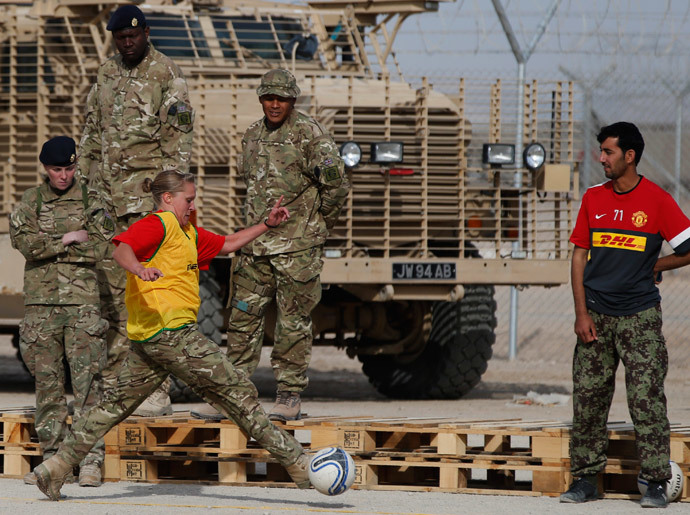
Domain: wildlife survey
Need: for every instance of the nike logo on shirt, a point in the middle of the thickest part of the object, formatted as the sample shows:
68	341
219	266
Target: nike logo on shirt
599	216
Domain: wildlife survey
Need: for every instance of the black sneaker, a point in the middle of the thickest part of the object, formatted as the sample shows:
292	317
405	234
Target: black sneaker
655	496
581	490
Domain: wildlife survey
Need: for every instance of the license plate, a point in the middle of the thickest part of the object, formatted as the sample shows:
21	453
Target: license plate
424	271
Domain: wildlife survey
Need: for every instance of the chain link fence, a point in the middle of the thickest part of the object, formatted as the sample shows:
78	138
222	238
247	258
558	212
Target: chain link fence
545	316
613	42
655	105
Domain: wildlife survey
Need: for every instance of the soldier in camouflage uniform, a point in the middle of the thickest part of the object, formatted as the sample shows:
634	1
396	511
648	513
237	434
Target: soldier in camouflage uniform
163	254
618	236
139	121
62	230
285	153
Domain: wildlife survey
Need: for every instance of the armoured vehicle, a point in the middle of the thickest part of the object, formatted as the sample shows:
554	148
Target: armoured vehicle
439	212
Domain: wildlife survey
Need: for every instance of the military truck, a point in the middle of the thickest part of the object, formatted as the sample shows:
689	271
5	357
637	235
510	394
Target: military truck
441	208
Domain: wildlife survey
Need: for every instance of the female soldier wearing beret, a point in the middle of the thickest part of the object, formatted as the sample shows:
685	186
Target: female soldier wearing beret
61	230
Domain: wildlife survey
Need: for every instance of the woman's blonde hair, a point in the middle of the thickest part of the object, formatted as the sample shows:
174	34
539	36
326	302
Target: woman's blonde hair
168	181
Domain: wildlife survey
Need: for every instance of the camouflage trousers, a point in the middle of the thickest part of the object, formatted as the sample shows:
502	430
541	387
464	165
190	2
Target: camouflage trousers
293	281
637	341
49	333
201	364
112	280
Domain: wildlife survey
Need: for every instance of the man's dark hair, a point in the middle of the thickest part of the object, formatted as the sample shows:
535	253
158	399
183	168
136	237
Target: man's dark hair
629	137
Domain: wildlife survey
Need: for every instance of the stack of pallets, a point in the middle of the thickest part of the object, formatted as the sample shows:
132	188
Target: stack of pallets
20	450
514	457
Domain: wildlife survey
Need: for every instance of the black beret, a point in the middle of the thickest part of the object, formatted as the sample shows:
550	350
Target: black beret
126	17
58	151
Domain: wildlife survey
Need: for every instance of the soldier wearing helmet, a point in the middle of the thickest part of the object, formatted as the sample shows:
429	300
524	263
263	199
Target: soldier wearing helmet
138	122
285	153
62	230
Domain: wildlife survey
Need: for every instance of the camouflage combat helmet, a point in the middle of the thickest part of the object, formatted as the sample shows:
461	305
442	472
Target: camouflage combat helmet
278	82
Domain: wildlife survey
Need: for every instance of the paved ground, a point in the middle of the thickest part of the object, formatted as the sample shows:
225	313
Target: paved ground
139	498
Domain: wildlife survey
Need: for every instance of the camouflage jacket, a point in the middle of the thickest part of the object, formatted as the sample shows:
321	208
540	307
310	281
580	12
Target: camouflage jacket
300	161
53	273
138	122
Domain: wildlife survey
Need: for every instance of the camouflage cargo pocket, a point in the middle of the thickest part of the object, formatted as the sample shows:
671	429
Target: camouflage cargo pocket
95	328
301	266
28	336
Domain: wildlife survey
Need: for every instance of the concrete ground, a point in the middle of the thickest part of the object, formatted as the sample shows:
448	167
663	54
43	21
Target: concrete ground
140	498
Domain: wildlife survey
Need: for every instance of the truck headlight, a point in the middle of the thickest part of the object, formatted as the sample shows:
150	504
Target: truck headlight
534	156
351	153
498	154
387	152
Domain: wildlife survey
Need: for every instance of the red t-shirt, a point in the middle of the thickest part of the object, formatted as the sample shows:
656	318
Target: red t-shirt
146	235
624	233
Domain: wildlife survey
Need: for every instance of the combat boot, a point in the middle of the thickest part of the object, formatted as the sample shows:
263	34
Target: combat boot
207	412
51	475
158	403
299	471
30	478
288	406
90	475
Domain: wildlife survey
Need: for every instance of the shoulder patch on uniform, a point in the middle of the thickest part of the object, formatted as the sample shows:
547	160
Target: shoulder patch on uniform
108	223
331	173
184	118
182	111
184	115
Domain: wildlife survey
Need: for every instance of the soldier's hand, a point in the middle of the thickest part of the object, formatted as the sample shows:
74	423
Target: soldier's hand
149	274
278	213
75	236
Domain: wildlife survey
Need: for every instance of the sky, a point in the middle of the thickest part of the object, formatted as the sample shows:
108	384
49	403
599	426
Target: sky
586	37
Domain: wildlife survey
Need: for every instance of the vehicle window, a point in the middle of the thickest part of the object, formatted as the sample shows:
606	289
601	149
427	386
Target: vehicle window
177	36
256	36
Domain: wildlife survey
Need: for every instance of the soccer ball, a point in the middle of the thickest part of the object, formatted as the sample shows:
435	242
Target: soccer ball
332	471
674	486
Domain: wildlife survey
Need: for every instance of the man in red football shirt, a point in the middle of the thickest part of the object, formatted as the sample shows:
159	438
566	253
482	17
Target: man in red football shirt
618	235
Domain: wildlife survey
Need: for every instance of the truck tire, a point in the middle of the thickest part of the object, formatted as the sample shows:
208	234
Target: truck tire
210	322
455	356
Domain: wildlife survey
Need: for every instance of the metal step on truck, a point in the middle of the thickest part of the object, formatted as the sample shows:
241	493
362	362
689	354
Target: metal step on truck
443	206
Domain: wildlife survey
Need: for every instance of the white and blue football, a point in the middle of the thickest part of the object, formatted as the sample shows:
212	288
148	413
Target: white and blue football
332	471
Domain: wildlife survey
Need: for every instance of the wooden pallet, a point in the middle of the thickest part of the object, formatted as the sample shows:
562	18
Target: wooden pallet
139	448
19	448
508	456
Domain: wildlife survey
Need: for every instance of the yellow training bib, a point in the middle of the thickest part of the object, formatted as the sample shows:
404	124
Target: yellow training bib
172	301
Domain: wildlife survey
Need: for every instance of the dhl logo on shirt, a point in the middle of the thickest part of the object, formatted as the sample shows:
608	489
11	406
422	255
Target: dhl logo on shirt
619	241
